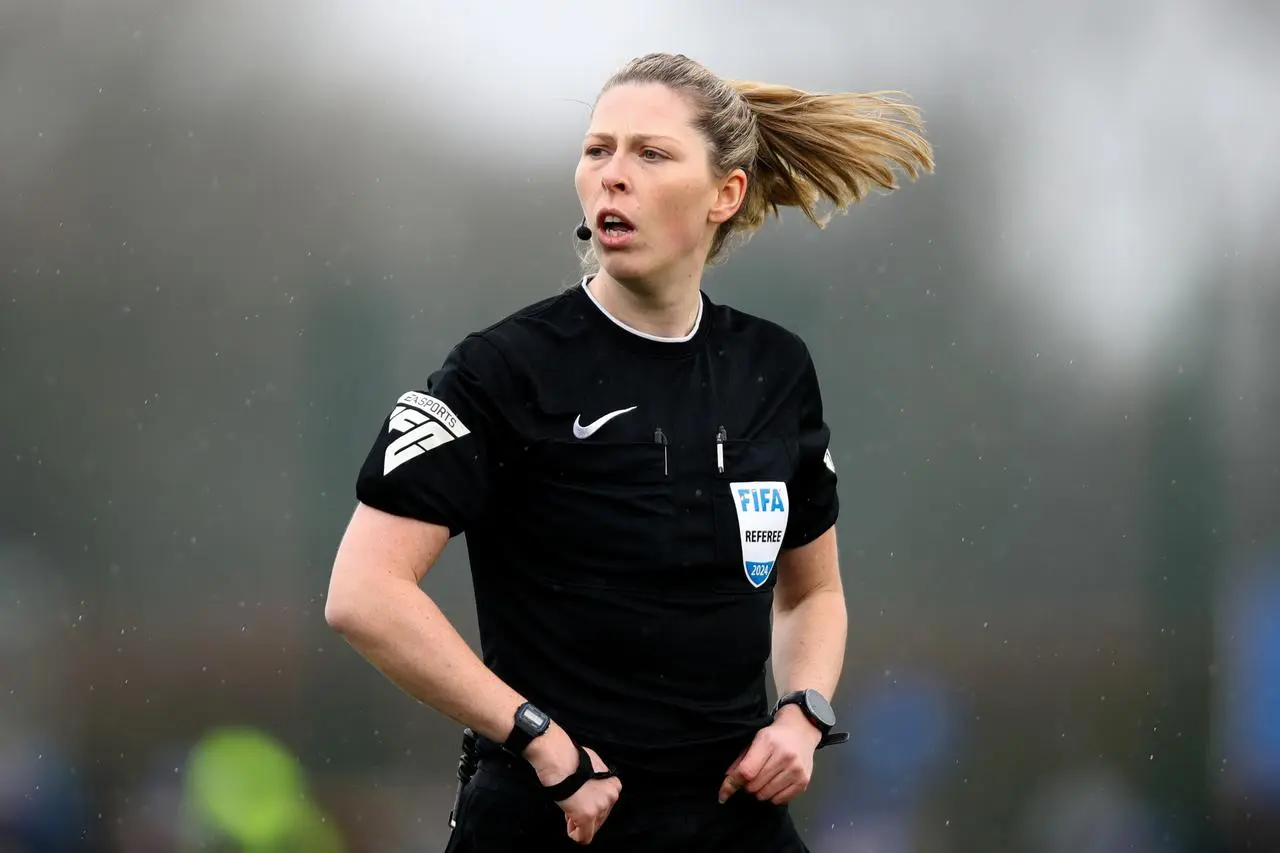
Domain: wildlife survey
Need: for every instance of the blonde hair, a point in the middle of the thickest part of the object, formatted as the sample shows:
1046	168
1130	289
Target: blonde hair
797	148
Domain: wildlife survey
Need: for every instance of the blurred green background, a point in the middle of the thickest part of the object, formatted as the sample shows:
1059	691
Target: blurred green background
231	234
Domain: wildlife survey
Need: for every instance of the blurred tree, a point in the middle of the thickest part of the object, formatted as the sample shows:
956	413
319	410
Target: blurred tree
1185	513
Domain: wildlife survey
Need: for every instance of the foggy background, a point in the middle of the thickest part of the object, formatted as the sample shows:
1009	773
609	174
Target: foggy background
232	233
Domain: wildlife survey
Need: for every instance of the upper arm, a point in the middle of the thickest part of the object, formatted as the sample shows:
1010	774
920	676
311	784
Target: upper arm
379	544
431	471
814	496
378	547
809	560
810	568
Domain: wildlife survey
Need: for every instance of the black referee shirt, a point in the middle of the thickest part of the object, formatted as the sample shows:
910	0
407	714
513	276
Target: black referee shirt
624	499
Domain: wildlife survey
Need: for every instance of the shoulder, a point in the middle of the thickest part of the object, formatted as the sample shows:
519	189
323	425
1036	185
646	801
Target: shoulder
532	327
504	345
760	337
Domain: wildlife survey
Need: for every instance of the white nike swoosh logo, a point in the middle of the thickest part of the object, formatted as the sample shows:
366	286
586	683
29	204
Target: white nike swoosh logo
580	431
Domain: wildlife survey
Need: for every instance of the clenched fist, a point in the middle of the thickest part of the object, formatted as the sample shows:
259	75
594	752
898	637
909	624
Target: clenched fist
555	758
778	764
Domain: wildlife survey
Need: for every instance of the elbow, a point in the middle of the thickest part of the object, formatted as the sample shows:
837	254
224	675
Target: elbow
344	611
338	613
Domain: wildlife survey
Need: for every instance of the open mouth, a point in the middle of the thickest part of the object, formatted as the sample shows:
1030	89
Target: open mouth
613	224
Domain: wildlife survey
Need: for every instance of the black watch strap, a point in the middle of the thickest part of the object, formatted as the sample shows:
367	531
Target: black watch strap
795	697
803	699
529	724
563	790
833	739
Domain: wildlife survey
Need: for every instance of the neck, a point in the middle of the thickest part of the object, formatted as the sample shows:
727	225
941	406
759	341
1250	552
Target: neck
667	311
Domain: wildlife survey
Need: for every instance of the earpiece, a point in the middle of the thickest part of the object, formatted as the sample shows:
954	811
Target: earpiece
583	233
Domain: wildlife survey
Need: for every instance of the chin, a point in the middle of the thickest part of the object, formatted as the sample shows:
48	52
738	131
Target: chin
625	267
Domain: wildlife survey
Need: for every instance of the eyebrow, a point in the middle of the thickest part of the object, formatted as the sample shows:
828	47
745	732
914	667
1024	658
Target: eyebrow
638	137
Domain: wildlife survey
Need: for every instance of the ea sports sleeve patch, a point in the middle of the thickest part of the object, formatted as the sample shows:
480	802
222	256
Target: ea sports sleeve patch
436	455
421	423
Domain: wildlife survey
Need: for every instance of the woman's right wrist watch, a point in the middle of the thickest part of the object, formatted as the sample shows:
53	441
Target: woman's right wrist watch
530	723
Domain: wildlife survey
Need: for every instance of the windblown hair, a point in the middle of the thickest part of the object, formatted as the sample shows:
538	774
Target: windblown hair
797	148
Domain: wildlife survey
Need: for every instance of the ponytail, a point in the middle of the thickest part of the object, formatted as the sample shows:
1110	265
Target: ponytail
837	147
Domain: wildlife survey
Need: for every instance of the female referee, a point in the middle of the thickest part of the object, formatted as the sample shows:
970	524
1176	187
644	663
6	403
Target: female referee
644	482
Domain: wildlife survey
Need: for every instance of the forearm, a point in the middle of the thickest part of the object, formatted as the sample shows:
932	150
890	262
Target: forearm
809	642
398	628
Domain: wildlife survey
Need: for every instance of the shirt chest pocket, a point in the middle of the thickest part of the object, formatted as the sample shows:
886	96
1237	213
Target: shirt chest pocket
604	505
752	507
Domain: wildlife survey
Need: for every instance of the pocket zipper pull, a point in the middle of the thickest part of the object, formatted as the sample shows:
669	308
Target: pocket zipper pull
661	438
721	438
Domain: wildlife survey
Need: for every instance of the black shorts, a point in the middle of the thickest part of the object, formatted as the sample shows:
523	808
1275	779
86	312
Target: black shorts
502	811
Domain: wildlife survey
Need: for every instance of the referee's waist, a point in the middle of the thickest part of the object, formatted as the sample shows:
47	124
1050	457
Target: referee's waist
663	768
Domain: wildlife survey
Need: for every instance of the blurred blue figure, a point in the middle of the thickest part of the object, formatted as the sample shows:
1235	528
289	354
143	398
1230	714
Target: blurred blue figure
41	803
1251	716
902	732
1091	807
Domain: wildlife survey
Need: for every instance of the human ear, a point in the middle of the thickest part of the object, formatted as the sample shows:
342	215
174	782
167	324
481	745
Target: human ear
729	196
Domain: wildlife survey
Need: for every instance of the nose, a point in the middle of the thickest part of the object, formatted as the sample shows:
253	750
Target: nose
613	178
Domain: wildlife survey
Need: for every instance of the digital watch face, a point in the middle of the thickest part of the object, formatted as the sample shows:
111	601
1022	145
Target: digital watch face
820	708
534	719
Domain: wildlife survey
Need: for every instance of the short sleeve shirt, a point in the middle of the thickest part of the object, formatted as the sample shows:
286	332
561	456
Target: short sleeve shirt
624	501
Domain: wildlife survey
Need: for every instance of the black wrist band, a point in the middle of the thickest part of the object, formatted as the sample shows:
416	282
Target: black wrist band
563	790
833	739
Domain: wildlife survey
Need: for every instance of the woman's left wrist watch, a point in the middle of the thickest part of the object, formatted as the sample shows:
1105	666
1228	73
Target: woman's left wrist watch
817	710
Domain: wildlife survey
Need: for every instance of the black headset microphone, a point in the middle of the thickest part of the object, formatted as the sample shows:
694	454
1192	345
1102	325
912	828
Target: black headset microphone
583	232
